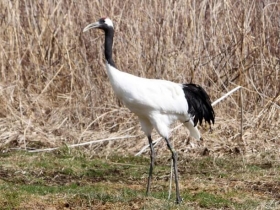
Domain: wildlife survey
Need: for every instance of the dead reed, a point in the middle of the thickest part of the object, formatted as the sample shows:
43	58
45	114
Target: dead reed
54	89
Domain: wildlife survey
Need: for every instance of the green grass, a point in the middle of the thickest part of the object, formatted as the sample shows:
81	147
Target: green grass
208	200
75	179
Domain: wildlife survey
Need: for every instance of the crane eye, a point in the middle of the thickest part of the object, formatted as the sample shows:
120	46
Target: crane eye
102	20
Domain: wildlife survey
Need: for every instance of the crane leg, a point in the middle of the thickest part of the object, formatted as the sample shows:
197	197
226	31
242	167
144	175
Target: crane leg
174	158
152	156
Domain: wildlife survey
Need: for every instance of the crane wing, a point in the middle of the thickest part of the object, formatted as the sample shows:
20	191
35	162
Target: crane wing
144	95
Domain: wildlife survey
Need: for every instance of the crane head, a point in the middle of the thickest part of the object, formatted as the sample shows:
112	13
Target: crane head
102	23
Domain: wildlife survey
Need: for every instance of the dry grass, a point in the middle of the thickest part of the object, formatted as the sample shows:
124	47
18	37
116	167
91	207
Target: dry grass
54	89
73	179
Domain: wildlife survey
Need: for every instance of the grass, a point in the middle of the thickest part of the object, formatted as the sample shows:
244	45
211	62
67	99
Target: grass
77	180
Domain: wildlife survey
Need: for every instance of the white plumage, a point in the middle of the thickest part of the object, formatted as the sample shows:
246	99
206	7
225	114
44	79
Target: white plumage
157	103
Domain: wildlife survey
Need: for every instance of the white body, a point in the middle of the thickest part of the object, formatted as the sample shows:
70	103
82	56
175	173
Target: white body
157	103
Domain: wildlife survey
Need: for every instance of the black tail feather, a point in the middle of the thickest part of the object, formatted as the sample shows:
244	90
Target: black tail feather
199	104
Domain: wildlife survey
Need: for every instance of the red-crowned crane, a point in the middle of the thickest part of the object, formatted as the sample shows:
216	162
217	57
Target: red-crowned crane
157	103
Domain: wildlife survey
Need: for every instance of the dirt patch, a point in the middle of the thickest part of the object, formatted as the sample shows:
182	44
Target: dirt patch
271	189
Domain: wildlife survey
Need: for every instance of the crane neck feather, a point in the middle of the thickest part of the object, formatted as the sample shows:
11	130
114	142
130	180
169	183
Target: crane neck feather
109	36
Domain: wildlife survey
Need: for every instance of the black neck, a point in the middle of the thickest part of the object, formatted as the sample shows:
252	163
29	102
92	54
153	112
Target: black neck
109	35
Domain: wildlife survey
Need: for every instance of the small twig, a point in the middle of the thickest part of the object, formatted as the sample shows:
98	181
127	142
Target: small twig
241	119
63	121
24	133
226	95
82	134
83	144
48	84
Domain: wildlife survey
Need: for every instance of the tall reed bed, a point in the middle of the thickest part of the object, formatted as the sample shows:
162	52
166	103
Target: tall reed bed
54	89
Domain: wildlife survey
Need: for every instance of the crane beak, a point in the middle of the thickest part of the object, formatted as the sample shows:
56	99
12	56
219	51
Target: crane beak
92	25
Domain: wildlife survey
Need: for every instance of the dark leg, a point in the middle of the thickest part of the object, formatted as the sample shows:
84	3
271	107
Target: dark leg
174	158
152	155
